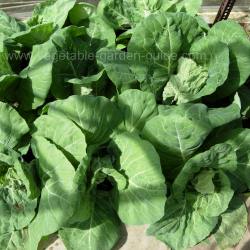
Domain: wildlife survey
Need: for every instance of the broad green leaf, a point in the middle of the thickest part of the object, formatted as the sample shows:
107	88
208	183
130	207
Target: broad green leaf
76	51
51	11
101	231
188	84
34	35
116	65
143	201
183	224
59	194
50	166
220	157
190	216
190	6
64	134
155	45
12	126
232	34
201	75
126	14
100	34
13	240
37	77
9	25
233	225
81	12
102	168
96	116
117	176
70	60
8	158
189	28
212	54
222	116
203	24
177	132
239	139
26	173
137	107
203	182
82	208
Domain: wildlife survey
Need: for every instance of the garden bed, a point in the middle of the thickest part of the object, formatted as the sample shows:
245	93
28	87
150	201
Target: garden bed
126	114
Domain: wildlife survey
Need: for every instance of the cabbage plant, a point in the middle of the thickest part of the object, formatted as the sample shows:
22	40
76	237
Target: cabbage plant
125	113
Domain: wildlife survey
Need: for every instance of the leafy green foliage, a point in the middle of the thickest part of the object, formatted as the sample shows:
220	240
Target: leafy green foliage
143	200
131	112
97	123
9	25
233	224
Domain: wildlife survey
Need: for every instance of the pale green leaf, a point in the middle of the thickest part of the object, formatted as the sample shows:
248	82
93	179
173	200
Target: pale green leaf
222	116
51	11
239	139
188	219
203	182
64	134
187	84
9	25
191	216
101	231
155	45
233	225
219	157
143	201
76	53
37	77
13	240
96	116
126	14
177	132
34	35
137	108
12	126
81	12
116	65
232	34
212	54
16	207
190	6
59	194
119	178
